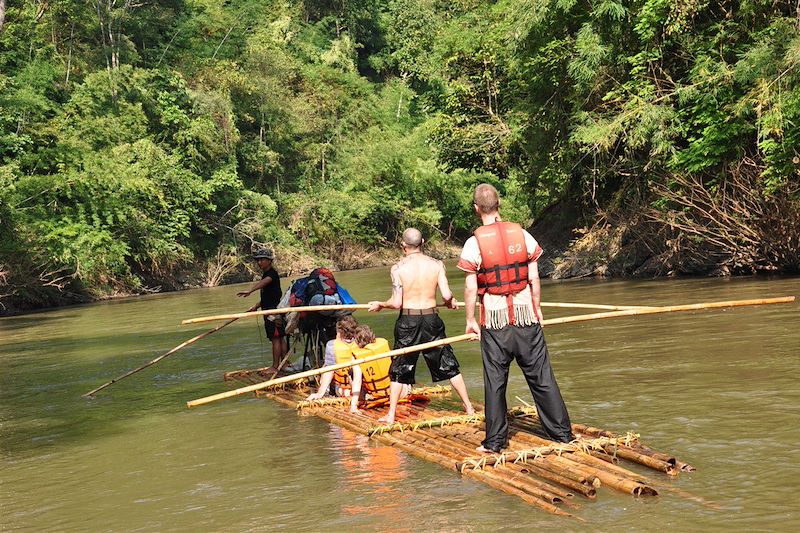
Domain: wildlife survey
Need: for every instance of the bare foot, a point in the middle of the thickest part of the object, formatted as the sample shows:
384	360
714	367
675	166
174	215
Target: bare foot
269	373
470	410
386	419
481	449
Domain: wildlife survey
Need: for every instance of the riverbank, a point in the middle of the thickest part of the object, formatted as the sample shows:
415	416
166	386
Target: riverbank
627	243
217	271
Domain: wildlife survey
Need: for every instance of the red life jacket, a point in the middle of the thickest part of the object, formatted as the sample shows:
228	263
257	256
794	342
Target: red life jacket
504	261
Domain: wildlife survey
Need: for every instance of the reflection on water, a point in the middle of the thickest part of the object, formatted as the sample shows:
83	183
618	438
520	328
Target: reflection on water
716	388
364	466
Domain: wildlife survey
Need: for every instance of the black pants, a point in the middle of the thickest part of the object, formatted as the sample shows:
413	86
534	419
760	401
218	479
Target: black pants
410	330
527	346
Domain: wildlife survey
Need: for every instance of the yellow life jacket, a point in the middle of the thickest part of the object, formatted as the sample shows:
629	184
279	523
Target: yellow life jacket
344	354
375	374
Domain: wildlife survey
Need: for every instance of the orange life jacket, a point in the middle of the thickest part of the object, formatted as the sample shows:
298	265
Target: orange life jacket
344	354
375	374
504	261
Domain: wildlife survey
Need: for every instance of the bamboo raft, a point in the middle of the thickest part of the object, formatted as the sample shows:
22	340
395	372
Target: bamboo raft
541	472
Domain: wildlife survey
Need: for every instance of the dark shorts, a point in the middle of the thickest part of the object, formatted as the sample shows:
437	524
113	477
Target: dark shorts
417	329
275	329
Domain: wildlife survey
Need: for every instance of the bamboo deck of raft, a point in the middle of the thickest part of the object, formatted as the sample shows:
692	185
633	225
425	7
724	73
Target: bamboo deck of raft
551	476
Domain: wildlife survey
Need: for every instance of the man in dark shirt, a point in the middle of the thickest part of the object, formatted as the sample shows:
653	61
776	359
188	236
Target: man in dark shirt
270	287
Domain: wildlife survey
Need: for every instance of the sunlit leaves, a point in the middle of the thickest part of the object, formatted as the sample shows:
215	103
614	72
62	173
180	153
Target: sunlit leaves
341	54
610	9
589	53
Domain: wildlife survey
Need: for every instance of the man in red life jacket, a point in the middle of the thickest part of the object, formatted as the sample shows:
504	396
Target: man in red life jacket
415	279
500	263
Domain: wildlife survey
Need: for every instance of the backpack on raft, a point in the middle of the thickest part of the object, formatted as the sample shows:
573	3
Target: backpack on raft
318	288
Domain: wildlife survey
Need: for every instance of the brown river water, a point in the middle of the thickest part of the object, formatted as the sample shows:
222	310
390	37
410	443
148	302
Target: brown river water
719	389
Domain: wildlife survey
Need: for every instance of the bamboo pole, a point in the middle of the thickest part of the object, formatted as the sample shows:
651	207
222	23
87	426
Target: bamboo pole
543	462
445	442
630	454
594	306
618	481
661	461
668	309
614	476
516	479
447	463
281	311
541	469
339	366
159	358
355	307
599	464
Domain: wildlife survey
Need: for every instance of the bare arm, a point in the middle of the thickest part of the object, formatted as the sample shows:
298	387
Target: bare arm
327	377
324	383
257	286
536	288
396	300
355	391
444	288
470	297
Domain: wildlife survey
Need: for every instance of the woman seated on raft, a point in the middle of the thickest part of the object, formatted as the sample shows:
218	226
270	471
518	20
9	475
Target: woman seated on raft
354	341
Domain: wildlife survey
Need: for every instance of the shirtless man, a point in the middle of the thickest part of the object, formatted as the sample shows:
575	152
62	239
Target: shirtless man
415	279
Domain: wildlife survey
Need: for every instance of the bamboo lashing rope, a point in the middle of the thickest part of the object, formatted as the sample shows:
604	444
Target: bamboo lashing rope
283	386
330	401
434	389
339	366
525	456
474	418
520	411
342	400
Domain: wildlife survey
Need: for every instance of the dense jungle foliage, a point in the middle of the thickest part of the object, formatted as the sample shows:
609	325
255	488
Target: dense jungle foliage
148	144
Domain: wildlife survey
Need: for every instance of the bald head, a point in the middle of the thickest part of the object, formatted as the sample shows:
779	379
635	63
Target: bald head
412	238
486	199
